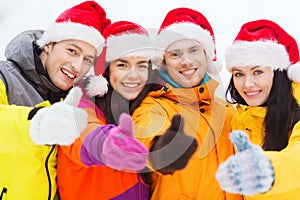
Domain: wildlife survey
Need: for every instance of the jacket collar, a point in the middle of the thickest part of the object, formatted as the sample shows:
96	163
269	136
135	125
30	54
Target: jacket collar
24	53
169	80
256	111
203	93
46	88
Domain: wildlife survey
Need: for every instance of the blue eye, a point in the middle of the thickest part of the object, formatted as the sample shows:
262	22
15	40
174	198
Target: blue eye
89	61
142	67
195	50
258	72
238	74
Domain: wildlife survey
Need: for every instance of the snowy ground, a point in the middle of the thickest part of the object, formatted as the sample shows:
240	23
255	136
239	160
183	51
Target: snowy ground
225	16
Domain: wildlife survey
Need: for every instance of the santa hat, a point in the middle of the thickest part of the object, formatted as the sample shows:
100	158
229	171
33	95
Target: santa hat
266	44
185	23
85	21
123	38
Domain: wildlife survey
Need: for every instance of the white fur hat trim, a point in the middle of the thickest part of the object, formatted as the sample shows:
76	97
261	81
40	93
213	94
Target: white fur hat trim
186	30
129	45
70	30
257	53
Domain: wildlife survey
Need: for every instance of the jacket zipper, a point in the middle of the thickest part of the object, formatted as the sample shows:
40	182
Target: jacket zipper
48	173
4	190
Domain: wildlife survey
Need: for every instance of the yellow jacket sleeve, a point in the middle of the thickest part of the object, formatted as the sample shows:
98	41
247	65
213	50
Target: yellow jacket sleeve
286	164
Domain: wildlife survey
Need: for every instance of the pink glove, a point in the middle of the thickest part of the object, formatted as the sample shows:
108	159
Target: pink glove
115	146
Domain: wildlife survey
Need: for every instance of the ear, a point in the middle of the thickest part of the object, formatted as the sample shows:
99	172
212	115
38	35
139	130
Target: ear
46	48
46	51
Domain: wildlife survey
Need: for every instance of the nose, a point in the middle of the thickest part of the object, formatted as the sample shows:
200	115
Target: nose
185	59
77	64
132	73
249	81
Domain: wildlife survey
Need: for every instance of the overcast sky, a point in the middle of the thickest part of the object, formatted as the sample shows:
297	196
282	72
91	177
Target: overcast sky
225	16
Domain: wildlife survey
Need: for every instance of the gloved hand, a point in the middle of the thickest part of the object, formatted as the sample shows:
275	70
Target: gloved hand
115	146
60	123
249	171
172	150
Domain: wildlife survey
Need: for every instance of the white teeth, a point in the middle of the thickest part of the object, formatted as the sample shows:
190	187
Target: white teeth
189	72
131	85
71	76
251	93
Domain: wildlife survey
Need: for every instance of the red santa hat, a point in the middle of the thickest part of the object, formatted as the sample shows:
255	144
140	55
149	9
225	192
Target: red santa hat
85	21
185	23
123	38
264	43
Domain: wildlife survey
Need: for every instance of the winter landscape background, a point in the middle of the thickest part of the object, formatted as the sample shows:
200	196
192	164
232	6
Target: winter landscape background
226	17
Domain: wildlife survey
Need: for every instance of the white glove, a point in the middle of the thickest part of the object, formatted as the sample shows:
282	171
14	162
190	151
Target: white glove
60	123
249	171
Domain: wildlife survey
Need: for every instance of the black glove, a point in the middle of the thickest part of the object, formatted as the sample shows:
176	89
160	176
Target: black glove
172	150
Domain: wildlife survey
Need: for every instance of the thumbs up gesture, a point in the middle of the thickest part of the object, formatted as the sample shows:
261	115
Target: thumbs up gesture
60	123
121	150
115	146
172	151
249	171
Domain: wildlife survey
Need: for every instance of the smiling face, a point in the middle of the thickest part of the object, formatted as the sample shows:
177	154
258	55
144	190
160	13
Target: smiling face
186	62
253	83
67	61
128	76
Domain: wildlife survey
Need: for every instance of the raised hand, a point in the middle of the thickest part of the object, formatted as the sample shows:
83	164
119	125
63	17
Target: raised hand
60	123
115	146
172	150
249	171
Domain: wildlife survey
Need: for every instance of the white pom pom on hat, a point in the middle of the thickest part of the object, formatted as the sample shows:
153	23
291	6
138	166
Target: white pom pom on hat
123	38
294	72
97	85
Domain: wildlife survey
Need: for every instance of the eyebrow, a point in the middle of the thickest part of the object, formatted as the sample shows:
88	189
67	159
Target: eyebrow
142	61
254	67
196	46
121	60
76	46
173	50
191	47
125	61
235	69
